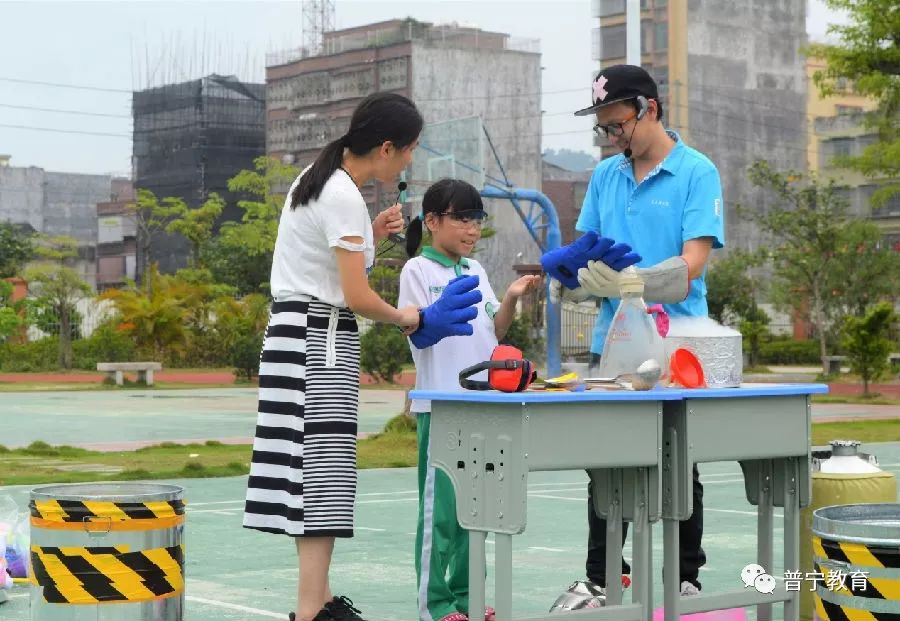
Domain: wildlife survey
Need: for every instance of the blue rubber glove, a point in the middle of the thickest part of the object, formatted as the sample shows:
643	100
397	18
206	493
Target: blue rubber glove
563	263
451	314
620	256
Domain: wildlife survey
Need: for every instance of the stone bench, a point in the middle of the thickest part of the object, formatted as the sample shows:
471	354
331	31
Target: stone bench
117	369
833	364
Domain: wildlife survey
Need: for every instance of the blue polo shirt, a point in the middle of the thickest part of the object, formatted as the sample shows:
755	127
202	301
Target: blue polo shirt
680	200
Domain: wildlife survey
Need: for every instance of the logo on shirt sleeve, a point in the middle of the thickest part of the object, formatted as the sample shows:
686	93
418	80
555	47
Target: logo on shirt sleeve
717	206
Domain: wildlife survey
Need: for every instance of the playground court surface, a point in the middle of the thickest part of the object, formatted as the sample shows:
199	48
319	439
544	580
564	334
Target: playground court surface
127	419
237	574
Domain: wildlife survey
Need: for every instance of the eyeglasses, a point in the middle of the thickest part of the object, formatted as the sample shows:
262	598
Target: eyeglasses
465	219
613	129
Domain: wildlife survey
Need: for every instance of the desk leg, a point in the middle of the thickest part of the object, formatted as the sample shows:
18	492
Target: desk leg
671	569
477	570
502	577
671	536
641	566
614	541
765	530
791	532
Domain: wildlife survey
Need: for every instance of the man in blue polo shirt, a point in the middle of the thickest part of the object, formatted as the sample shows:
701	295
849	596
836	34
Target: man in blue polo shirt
664	199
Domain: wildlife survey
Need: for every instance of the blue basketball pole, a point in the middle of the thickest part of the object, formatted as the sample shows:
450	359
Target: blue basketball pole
553	240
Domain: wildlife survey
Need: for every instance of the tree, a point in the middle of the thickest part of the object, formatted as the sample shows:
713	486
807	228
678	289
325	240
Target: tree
267	184
16	249
235	266
195	225
155	313
867	343
805	224
865	270
732	288
58	286
868	55
10	313
239	326
241	254
755	331
150	218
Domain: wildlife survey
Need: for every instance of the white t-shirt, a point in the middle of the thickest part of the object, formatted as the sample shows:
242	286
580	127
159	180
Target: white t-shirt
437	367
304	262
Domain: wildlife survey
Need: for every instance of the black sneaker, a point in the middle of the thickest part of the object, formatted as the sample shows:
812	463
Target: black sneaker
322	615
342	609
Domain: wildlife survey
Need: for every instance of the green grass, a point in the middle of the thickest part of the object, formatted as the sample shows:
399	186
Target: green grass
863	431
856	399
41	463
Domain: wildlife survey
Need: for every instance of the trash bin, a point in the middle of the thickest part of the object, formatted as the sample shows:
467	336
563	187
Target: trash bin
857	550
107	552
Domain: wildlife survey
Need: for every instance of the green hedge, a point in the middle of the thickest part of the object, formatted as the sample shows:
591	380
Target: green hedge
104	345
790	352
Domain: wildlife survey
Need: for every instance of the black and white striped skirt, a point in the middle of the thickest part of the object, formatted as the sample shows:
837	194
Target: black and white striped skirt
303	471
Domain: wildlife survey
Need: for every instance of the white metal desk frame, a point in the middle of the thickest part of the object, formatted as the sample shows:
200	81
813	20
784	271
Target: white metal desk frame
488	442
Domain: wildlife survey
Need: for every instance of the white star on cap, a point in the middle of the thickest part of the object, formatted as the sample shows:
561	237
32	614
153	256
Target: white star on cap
599	90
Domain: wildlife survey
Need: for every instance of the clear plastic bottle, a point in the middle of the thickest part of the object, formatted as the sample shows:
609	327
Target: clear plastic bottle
633	336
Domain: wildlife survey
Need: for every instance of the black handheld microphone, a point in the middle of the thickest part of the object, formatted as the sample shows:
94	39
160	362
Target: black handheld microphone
399	238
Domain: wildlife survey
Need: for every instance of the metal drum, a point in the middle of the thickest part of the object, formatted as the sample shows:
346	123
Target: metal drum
107	552
856	550
717	347
840	476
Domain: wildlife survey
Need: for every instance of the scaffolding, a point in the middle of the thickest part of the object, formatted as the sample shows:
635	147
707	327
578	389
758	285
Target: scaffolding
190	138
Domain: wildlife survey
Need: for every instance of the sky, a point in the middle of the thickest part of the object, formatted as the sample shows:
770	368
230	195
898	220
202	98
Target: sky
114	47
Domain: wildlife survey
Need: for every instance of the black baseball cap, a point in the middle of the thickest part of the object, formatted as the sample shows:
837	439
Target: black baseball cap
620	83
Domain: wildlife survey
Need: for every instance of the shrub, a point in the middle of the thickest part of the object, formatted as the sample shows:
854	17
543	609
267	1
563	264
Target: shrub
34	356
383	352
519	335
790	352
401	423
106	344
244	355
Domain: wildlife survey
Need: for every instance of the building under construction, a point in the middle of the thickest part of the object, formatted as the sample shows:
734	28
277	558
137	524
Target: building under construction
189	140
452	73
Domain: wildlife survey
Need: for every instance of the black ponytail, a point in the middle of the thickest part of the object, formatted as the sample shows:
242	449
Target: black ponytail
414	236
443	196
379	118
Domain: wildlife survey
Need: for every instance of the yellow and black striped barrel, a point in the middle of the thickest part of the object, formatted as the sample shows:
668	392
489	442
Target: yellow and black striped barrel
107	551
856	552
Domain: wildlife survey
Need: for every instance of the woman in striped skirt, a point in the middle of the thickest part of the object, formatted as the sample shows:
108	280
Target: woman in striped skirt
303	472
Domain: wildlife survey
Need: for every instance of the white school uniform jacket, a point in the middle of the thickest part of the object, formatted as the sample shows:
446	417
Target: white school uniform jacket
437	367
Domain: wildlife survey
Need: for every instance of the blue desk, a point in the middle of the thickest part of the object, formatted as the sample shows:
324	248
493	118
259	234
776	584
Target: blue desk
639	449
